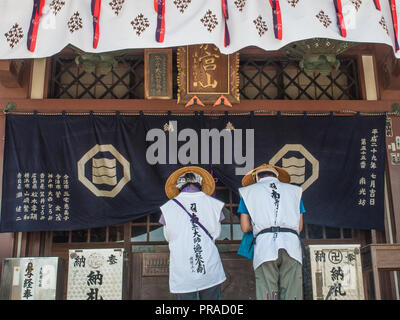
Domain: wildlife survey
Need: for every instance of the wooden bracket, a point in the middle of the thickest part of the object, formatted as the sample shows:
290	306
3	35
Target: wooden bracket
194	102
222	101
11	73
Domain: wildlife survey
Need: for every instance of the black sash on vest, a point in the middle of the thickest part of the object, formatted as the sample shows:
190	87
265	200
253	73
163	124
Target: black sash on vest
276	230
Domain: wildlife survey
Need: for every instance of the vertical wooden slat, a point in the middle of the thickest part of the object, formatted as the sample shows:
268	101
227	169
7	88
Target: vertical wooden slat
129	269
148	228
6	239
38	79
230	214
371	89
107	234
37	85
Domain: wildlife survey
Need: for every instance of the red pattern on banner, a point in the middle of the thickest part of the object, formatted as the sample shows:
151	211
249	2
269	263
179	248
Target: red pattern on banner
276	12
227	38
159	7
395	23
33	30
377	5
96	8
340	19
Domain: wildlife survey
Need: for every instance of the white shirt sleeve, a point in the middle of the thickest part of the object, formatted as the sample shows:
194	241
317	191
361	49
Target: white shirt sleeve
165	233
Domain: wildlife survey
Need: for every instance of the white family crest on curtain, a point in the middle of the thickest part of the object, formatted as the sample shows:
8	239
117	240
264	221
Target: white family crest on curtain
42	28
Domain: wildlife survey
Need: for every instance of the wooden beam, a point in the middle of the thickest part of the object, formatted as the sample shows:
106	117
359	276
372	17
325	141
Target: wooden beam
127	105
38	78
371	86
11	73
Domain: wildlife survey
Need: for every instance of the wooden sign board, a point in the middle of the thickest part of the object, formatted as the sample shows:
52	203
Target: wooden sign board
207	74
95	274
158	73
336	272
155	264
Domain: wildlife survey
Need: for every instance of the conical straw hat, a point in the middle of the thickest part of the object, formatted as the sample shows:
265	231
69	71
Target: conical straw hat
250	177
207	184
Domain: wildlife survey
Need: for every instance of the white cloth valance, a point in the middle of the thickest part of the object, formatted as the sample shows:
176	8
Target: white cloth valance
132	24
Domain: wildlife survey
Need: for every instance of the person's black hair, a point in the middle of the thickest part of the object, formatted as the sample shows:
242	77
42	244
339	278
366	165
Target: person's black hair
191	176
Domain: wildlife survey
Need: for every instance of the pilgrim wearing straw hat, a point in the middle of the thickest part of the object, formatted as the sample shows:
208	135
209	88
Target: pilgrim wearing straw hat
192	221
271	208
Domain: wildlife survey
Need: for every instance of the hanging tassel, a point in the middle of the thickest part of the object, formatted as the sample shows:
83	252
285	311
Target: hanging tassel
276	12
377	5
340	19
34	25
395	25
227	38
96	7
159	7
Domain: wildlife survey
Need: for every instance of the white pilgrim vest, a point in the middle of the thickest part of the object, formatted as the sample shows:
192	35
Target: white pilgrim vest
195	263
262	200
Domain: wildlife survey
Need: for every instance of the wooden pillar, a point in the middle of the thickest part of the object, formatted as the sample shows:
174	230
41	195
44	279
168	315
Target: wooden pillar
392	187
371	93
370	85
370	78
14	82
6	239
29	244
38	78
393	159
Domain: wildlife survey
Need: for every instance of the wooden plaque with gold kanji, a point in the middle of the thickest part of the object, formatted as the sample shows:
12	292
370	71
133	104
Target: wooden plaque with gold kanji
158	73
206	73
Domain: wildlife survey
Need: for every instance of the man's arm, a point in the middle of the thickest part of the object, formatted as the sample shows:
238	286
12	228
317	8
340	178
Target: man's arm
302	211
301	223
245	223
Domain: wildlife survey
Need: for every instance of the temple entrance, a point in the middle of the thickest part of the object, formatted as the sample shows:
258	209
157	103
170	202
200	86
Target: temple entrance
150	277
146	262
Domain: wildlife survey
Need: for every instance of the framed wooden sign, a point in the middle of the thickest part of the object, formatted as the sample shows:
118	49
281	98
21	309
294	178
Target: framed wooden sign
155	264
336	272
207	74
158	73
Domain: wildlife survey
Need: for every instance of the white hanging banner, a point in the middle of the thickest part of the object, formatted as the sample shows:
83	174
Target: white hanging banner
42	28
95	274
